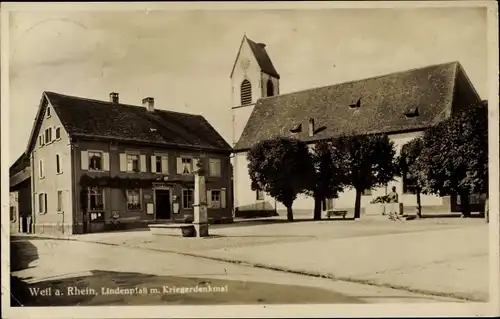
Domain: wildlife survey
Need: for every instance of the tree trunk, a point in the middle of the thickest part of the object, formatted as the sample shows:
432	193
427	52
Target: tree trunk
289	213
464	204
357	205
317	208
419	205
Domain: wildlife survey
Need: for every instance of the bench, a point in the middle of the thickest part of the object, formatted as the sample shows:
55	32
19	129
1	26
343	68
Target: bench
184	230
335	213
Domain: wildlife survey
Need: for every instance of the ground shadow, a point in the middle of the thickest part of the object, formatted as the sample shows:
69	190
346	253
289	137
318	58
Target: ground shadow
270	221
451	215
22	253
256	236
101	288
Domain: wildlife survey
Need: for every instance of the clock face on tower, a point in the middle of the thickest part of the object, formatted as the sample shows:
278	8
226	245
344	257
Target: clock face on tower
245	63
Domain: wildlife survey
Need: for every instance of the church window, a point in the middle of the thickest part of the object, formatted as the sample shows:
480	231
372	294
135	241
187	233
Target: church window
259	195
246	92
270	88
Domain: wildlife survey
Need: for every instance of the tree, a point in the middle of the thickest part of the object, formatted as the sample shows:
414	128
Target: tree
329	174
368	162
281	167
455	155
411	168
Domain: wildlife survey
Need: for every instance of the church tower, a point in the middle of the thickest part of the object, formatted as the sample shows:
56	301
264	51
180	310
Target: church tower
253	77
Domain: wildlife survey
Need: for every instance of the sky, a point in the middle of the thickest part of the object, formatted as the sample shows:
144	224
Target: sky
184	58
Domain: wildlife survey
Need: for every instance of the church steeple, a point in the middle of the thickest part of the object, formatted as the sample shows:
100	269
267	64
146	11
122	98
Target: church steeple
253	76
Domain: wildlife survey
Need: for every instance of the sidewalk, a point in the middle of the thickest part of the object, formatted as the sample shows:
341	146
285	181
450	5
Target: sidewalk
441	257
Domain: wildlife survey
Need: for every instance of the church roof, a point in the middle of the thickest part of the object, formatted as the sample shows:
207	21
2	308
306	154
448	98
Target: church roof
87	118
405	101
260	53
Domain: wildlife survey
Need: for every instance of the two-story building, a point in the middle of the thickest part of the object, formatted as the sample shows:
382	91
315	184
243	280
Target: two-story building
99	165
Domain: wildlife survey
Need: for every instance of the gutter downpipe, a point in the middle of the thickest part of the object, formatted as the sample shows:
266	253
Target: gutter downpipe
33	191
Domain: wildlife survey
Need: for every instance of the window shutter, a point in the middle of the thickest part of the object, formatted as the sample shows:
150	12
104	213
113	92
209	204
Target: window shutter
179	165
195	164
143	163
58	164
105	161
123	162
153	164
45	203
223	198
209	199
164	164
85	160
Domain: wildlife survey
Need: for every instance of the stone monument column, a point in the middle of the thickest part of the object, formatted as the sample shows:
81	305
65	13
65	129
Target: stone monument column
200	204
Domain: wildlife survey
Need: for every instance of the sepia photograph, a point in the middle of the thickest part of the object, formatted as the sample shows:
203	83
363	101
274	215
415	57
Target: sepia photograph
253	156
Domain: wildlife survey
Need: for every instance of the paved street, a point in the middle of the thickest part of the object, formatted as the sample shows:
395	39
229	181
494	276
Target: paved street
83	266
446	257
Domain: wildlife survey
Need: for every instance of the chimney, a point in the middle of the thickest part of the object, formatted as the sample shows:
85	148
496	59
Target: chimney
149	103
113	97
311	127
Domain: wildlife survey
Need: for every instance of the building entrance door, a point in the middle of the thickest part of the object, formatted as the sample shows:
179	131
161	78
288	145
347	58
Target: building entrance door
163	206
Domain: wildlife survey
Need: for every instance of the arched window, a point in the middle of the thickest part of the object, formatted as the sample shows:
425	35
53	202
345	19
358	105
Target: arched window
246	92
270	88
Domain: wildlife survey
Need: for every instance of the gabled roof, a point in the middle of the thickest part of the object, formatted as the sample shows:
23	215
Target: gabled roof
87	118
369	106
19	172
21	163
260	53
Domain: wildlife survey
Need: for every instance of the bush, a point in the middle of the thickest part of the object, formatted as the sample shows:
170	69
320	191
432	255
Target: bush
381	200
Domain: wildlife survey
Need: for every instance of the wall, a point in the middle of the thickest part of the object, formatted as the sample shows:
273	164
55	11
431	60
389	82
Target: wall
14	217
117	202
52	221
245	198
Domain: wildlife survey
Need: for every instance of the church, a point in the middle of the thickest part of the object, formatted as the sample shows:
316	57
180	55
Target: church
401	105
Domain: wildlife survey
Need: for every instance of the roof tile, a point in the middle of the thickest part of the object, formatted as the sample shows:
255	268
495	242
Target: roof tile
83	117
383	101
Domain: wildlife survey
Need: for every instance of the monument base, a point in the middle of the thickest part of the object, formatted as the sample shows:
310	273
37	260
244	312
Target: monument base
201	230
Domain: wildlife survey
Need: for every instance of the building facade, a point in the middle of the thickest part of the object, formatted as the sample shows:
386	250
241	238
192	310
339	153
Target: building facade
99	165
401	105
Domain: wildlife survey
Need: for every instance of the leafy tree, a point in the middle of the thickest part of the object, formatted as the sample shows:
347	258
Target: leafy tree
369	161
329	174
455	155
412	169
282	168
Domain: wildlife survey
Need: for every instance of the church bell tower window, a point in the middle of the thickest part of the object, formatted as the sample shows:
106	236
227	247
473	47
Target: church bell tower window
246	92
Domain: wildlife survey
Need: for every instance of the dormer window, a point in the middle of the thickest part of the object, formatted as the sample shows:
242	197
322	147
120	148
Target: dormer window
246	92
356	105
296	129
411	111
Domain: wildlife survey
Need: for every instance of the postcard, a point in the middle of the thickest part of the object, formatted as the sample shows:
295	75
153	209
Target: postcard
250	159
